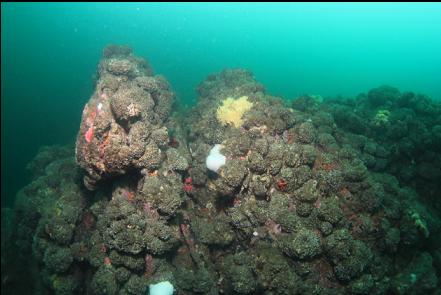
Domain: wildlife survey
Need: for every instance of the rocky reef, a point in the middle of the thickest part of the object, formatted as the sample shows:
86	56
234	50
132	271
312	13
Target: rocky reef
315	196
122	128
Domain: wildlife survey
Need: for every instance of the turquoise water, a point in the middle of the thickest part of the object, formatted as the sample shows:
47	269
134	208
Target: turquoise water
50	52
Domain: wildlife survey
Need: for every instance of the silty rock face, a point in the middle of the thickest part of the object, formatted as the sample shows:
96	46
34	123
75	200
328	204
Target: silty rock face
294	183
299	206
122	126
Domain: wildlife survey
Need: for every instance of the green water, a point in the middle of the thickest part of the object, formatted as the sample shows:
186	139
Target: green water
49	54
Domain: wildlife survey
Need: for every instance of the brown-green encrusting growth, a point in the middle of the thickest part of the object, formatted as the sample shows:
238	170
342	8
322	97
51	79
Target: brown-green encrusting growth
314	196
122	127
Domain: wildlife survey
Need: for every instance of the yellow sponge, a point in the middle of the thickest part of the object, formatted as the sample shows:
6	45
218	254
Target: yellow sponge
232	110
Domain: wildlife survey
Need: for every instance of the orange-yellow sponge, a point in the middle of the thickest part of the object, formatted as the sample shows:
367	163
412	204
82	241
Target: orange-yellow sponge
232	110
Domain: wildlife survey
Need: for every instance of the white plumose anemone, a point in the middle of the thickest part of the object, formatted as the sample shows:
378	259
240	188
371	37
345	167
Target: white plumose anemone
215	159
161	288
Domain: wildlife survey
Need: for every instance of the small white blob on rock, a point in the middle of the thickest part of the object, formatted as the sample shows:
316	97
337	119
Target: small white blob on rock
215	159
161	288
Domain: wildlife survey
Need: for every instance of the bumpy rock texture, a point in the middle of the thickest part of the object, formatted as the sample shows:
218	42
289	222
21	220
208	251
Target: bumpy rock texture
122	128
313	197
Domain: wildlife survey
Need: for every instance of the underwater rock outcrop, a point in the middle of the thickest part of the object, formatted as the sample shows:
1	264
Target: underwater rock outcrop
292	183
122	127
397	133
299	203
